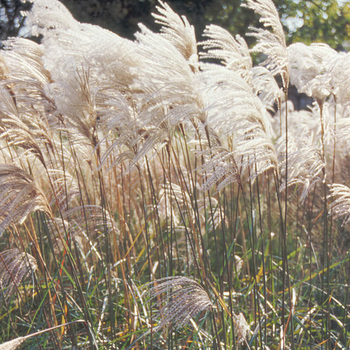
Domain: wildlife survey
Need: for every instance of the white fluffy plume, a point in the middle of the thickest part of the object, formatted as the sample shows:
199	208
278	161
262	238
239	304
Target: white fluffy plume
271	43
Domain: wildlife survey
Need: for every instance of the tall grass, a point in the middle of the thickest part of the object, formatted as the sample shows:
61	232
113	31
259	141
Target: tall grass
163	193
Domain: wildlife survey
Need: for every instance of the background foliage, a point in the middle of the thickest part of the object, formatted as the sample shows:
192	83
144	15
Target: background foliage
306	21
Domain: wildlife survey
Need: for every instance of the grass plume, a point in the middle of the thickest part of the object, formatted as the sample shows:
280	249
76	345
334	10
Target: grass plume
125	164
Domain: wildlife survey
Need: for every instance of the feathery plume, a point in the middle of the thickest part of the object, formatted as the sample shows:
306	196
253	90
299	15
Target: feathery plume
220	168
167	82
266	87
234	109
13	129
48	16
167	90
178	31
339	69
86	225
65	188
26	74
181	298
12	344
272	44
177	202
233	52
343	128
25	109
87	64
232	105
14	267
91	218
19	195
15	343
3	67
241	328
305	162
309	68
340	207
76	101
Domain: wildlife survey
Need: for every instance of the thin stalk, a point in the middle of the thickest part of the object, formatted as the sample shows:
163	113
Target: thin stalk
254	259
194	203
284	231
147	238
325	223
263	252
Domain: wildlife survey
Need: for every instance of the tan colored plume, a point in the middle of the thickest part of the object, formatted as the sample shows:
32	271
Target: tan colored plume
181	298
14	267
19	196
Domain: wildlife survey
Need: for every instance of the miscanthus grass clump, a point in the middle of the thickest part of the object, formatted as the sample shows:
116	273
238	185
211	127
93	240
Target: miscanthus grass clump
163	193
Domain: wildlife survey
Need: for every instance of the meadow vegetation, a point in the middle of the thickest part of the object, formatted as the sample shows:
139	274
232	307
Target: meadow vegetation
163	193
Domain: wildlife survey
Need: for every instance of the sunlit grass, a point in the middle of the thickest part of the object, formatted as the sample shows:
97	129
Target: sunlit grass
150	199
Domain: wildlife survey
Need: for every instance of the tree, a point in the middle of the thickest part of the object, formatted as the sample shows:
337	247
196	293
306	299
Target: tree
11	20
322	21
123	16
307	21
